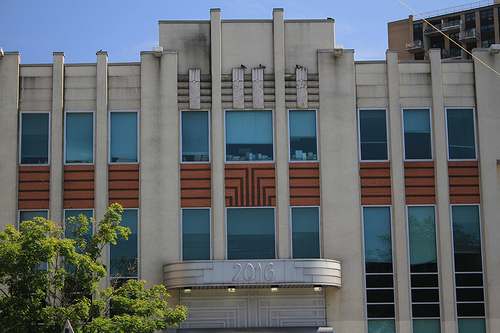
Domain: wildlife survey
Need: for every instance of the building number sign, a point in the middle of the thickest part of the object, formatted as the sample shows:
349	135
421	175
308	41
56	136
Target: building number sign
254	273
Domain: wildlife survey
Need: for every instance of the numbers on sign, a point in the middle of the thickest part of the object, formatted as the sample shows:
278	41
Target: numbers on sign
251	273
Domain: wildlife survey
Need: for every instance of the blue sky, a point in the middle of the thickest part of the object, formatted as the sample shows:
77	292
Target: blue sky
37	28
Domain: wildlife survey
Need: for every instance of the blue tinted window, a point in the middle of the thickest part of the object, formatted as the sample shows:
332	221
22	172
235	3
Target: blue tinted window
79	137
123	137
373	135
427	326
305	232
34	138
466	238
422	237
381	326
303	143
195	134
461	135
378	242
195	234
124	254
417	134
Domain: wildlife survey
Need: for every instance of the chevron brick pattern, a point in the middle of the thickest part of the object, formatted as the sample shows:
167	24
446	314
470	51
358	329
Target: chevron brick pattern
196	185
304	184
34	185
123	185
250	185
375	183
78	186
464	182
420	183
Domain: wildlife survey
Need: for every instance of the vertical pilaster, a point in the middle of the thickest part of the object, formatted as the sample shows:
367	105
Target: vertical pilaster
56	139
9	104
443	222
218	158
281	139
238	85
398	200
258	88
194	89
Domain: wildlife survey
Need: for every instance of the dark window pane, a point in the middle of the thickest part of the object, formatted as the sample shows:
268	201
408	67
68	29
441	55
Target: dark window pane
305	232
377	235
34	138
470	309
417	134
424	295
124	254
381	326
469	280
79	137
422	238
194	136
381	311
123	137
379	281
195	234
426	326
466	238
373	134
424	280
303	135
470	294
425	310
380	296
461	136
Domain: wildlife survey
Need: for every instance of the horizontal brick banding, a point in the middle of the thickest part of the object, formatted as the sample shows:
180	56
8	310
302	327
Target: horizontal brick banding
304	184
250	185
34	186
464	182
375	183
123	185
196	185
78	186
420	183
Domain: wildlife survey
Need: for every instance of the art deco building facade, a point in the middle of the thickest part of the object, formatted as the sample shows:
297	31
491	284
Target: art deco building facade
474	25
271	182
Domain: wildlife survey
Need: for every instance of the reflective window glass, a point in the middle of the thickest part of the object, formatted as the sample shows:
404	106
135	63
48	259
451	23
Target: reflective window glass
123	137
34	138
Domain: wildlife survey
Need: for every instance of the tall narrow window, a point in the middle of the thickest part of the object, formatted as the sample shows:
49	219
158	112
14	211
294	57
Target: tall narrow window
34	138
373	135
461	134
30	215
305	232
469	285
122	137
250	233
195	136
417	134
303	141
195	234
249	135
79	143
379	272
70	225
423	269
125	253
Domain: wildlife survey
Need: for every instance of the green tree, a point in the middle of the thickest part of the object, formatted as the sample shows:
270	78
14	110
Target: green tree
46	279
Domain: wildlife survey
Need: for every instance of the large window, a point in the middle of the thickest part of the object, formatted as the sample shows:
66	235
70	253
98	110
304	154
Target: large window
373	135
249	135
125	253
303	142
417	134
461	134
195	234
469	285
424	279
30	215
195	136
122	137
250	233
379	272
79	134
305	232
34	138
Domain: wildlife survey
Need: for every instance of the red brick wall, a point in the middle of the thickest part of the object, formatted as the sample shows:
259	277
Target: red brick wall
304	184
34	186
78	186
375	183
123	185
196	185
464	182
250	185
420	183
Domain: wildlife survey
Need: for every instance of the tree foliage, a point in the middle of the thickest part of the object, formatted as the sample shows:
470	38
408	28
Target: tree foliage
47	278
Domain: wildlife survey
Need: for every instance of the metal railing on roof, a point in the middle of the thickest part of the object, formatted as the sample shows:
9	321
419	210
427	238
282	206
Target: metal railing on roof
457	9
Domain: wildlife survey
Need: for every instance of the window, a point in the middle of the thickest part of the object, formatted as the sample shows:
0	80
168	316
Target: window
79	133
373	135
461	134
195	136
195	234
124	254
469	285
250	233
122	137
29	215
417	134
424	279
249	135
305	232
70	226
303	142
34	138
379	272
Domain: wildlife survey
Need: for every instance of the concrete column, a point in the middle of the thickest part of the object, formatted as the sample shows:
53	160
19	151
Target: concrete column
399	224
488	137
340	192
281	140
217	132
9	125
56	139
443	221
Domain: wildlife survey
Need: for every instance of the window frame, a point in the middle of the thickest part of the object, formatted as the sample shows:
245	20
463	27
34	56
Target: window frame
274	228
386	134
29	210
475	133
109	135
21	113
208	139
431	136
319	231
289	136
273	137
109	278
209	236
66	141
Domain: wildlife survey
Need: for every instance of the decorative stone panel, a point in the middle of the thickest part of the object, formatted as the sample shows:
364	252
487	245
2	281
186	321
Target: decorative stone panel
194	89
238	88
